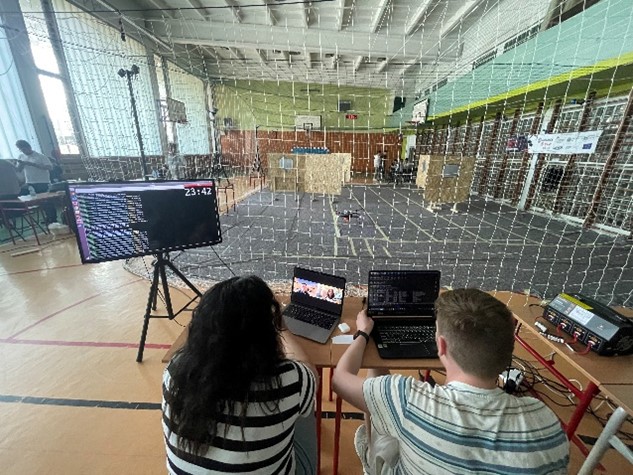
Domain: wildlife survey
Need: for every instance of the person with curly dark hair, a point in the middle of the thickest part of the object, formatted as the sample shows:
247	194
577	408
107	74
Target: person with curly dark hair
238	397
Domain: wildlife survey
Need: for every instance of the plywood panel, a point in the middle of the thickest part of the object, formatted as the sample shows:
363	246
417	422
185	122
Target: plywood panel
445	189
323	174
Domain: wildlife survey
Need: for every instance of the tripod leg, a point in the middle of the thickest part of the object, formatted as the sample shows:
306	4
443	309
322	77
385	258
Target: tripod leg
182	277
151	300
166	294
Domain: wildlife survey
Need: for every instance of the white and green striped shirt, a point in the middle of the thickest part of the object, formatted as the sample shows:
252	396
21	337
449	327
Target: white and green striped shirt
459	428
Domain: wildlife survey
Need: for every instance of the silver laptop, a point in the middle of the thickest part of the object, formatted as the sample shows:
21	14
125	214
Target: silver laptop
402	304
316	304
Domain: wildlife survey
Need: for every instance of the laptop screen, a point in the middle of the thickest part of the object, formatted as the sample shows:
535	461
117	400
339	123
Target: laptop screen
317	290
402	293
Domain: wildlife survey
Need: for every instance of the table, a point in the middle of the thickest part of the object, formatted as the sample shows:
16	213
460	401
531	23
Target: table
25	208
612	375
601	371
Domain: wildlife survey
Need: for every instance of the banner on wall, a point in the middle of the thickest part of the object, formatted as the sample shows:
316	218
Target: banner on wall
564	144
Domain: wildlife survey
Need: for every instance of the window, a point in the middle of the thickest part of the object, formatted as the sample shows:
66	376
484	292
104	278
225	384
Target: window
49	76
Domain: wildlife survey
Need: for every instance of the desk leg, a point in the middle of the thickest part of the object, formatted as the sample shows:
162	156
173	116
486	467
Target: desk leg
319	416
337	434
585	399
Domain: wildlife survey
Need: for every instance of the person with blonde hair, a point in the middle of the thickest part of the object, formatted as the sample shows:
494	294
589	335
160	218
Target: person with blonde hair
466	425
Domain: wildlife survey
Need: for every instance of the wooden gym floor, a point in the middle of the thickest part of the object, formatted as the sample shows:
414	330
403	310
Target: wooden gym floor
73	399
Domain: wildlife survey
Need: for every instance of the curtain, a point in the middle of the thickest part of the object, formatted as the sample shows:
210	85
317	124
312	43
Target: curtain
15	117
95	53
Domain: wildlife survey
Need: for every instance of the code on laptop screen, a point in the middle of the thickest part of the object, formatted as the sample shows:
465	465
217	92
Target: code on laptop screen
402	292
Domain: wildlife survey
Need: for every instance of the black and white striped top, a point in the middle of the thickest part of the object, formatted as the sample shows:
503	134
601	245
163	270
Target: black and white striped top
268	433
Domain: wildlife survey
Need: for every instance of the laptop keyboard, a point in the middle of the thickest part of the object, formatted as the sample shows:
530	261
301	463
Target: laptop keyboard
307	315
407	334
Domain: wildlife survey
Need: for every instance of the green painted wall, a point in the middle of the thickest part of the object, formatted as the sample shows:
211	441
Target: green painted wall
590	51
274	105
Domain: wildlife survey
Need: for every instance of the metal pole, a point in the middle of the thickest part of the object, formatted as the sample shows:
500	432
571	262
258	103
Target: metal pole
136	123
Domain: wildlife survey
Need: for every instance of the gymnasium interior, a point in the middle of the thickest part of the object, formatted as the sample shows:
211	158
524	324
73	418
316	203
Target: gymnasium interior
488	139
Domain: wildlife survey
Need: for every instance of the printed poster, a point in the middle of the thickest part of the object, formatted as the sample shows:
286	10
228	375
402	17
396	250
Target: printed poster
571	143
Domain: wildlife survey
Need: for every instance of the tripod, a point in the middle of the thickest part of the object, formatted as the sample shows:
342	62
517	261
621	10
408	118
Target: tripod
160	275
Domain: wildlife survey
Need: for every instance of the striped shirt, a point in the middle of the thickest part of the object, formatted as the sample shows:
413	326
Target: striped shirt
459	428
268	433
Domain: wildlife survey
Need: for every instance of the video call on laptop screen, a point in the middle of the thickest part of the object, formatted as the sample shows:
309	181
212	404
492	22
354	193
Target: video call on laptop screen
315	289
403	293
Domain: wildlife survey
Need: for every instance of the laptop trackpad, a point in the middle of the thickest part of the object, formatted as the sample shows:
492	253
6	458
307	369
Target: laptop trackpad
306	330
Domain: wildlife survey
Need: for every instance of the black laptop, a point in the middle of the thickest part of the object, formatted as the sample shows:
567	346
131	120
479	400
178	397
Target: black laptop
402	304
316	304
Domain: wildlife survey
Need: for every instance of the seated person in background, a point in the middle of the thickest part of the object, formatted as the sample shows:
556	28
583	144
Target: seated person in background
9	182
36	169
467	425
238	397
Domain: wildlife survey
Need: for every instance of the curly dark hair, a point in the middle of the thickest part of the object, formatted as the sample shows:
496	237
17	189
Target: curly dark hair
233	342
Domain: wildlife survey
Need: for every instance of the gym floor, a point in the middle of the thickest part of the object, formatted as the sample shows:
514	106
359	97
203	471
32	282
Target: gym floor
74	400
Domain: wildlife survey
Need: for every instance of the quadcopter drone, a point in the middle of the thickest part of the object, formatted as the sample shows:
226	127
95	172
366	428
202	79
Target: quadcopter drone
347	214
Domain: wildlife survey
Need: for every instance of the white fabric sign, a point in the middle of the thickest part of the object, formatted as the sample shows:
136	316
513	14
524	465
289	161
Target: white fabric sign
564	144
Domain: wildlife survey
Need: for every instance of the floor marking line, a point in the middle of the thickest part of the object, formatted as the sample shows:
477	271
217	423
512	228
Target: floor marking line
405	217
369	247
74	305
93	403
94	344
41	269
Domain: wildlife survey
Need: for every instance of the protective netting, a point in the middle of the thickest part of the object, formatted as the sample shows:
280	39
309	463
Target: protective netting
267	87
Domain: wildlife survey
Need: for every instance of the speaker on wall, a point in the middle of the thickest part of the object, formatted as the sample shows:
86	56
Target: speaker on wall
344	106
399	103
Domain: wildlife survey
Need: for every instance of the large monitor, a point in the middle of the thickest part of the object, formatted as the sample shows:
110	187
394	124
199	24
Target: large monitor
131	219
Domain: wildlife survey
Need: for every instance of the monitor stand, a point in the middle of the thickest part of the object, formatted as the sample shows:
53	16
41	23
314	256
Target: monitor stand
160	276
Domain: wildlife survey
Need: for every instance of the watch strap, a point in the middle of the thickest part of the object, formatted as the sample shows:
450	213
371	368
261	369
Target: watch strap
361	333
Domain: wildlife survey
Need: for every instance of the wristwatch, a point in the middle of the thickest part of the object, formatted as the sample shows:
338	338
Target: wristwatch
361	333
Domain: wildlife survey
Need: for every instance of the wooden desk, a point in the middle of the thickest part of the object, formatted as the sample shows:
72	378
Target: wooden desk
601	371
620	394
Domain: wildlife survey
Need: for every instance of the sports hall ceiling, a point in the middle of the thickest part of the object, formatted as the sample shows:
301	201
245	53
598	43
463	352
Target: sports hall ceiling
371	43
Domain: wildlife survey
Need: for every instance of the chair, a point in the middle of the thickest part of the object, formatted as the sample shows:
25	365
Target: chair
14	211
608	438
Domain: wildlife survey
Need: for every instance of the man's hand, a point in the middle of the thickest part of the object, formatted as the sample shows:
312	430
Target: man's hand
363	322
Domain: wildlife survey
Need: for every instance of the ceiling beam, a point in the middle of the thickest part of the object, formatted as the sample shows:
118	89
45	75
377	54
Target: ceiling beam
270	19
235	9
408	65
248	35
380	12
163	6
237	53
202	12
459	16
262	56
417	17
341	14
